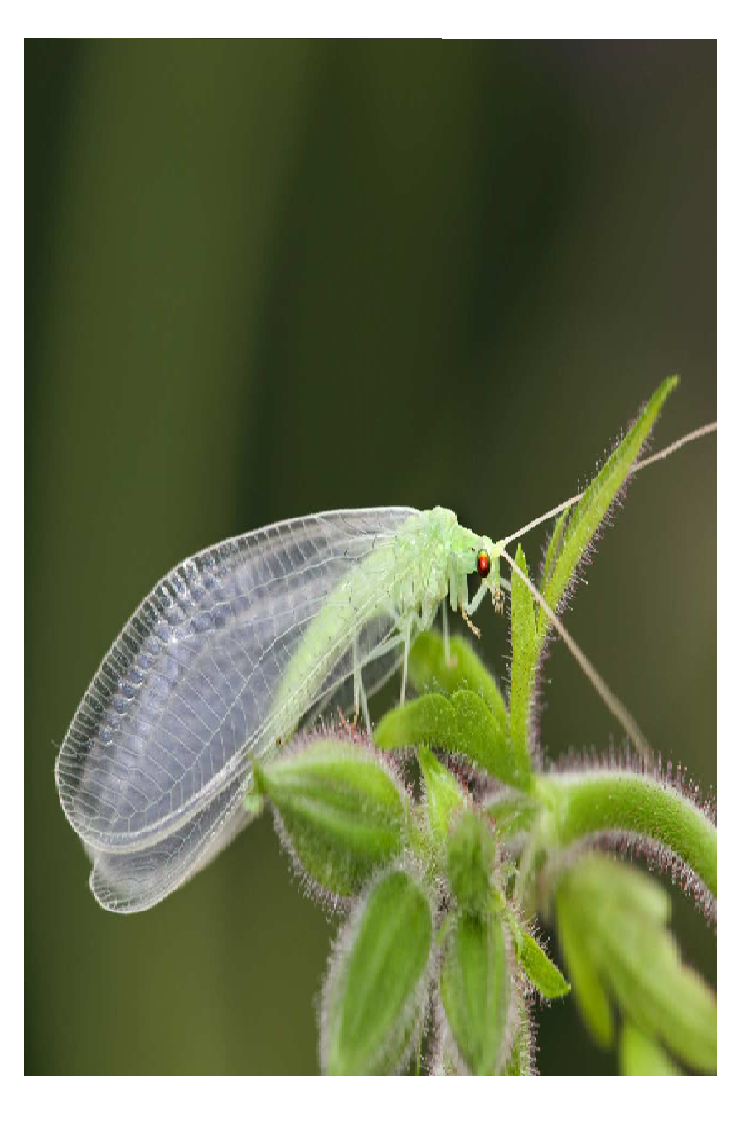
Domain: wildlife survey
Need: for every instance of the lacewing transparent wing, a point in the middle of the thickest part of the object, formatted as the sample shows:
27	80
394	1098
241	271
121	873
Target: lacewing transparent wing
222	659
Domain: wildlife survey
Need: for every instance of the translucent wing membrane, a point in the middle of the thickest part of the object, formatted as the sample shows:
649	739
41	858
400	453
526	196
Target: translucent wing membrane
136	880
222	659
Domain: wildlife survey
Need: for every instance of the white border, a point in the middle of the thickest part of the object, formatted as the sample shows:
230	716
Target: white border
189	1100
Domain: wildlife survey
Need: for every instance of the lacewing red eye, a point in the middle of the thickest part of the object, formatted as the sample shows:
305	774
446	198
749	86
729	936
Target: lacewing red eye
483	564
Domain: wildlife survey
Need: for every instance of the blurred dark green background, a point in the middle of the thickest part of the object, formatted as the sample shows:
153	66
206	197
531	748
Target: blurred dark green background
268	279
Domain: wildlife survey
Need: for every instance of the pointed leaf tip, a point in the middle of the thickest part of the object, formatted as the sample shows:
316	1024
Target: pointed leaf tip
573	533
541	971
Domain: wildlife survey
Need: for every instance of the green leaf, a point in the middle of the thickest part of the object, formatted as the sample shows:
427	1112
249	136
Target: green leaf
663	995
462	724
471	860
475	990
572	540
443	795
620	800
375	993
619	917
490	741
543	973
641	1055
588	992
342	813
523	666
427	670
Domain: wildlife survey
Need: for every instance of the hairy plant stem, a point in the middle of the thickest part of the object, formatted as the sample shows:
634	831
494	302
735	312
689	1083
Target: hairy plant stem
582	804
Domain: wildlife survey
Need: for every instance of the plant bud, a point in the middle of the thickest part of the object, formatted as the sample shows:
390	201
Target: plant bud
471	860
339	811
475	990
376	991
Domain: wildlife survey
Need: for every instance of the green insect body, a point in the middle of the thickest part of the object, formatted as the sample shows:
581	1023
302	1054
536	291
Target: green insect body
403	581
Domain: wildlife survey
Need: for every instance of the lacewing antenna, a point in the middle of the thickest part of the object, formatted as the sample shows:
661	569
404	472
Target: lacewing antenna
615	705
702	431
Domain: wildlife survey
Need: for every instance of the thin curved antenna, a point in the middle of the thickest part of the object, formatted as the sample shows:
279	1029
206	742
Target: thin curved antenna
615	706
702	431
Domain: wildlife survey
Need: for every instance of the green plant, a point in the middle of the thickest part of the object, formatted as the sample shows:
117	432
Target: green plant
444	842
